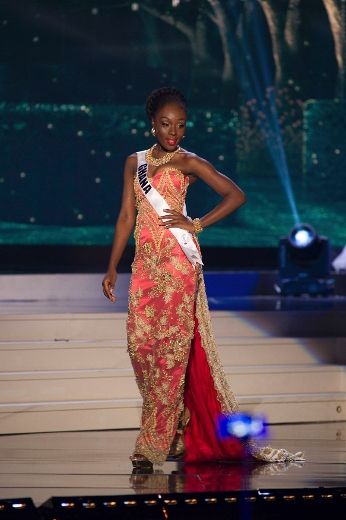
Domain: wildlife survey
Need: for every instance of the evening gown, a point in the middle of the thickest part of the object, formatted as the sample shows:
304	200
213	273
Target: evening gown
172	347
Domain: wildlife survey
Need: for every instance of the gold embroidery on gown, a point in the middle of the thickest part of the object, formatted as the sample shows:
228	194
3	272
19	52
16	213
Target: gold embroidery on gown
164	292
160	320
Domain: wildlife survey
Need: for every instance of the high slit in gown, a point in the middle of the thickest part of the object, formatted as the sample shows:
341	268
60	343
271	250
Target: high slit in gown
171	343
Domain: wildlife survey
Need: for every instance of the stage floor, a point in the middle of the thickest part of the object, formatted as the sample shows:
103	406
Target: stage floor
97	463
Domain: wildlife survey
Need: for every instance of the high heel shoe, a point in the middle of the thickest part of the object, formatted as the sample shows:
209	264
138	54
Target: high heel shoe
140	462
177	448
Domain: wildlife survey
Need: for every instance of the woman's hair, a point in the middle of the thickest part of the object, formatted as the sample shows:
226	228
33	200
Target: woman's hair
160	97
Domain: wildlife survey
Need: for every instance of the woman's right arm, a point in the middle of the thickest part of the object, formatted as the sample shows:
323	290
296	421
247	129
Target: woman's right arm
123	227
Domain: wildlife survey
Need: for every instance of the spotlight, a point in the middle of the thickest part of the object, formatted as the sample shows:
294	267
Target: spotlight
242	426
17	508
262	503
302	235
304	263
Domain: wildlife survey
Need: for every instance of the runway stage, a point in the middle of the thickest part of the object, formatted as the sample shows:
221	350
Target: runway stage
69	407
96	463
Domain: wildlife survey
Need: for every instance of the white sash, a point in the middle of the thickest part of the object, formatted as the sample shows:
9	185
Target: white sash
159	204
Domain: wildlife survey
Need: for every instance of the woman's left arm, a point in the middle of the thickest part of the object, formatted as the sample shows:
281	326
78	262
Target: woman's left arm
232	196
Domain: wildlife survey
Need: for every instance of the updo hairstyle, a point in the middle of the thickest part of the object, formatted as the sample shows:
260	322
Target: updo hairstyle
160	97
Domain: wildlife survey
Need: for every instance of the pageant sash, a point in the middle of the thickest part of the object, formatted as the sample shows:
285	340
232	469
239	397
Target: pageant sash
159	204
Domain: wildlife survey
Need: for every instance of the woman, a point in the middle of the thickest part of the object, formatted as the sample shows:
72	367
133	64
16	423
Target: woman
170	340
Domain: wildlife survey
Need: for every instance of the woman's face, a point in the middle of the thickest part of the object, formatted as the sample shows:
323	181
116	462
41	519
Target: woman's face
169	123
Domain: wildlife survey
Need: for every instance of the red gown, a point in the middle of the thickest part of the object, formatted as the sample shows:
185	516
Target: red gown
171	343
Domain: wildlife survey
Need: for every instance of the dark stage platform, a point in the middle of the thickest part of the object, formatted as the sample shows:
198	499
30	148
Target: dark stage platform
90	475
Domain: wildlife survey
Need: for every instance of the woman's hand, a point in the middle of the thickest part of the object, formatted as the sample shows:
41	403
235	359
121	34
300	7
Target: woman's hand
176	220
108	284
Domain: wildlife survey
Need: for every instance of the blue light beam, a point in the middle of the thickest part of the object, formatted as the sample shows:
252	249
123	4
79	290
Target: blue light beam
257	84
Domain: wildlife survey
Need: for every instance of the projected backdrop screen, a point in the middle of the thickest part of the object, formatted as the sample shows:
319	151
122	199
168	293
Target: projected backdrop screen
265	90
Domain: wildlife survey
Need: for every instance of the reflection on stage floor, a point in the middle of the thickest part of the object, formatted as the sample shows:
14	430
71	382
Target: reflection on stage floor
97	463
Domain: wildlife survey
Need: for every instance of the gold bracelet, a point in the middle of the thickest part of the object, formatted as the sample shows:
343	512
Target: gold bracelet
197	226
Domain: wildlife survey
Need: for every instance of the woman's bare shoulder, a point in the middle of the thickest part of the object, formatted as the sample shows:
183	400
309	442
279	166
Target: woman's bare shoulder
183	153
131	163
190	159
131	159
189	162
188	155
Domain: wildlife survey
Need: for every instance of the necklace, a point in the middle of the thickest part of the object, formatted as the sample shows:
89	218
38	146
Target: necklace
160	161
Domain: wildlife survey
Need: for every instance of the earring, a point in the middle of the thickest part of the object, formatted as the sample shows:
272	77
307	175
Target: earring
153	131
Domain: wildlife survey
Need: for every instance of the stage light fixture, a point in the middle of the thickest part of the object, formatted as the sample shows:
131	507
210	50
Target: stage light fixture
302	235
285	503
17	508
304	263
